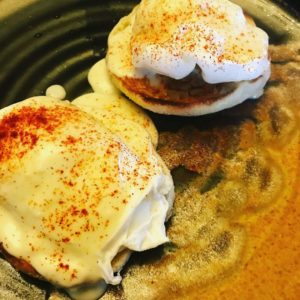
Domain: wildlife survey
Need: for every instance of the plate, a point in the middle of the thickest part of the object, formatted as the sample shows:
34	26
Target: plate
52	42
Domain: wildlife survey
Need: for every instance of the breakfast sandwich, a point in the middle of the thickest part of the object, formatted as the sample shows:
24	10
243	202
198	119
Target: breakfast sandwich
235	229
76	196
188	57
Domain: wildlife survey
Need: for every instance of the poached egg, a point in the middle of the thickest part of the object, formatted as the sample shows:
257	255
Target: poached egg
172	37
75	194
161	42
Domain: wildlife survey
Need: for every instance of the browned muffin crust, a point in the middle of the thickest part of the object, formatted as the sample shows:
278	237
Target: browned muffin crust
20	264
187	92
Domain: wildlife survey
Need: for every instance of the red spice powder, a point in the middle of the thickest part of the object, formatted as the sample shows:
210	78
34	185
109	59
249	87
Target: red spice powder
21	129
84	212
66	240
74	274
71	140
64	266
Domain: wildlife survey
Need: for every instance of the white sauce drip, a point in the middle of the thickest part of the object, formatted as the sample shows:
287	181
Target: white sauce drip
56	91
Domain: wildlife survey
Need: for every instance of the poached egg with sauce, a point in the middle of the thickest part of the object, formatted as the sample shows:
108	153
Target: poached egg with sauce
215	35
169	40
75	194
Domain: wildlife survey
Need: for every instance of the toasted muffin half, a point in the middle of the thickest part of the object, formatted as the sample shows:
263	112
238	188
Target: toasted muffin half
185	97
